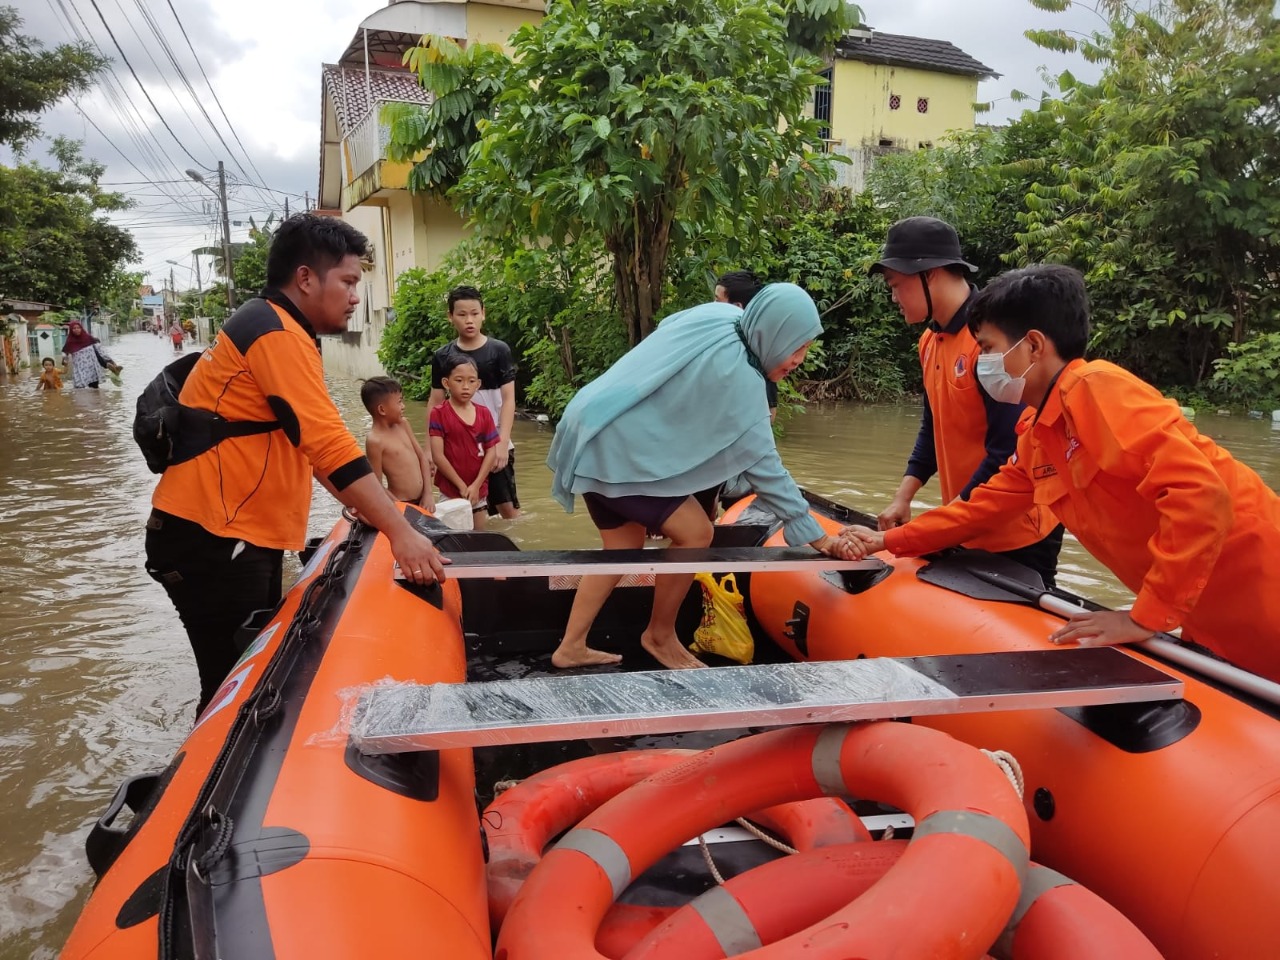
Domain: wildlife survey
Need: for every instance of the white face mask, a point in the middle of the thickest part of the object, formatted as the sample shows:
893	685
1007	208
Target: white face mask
1002	387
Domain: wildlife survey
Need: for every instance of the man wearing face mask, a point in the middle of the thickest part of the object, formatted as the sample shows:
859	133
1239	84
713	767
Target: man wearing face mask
966	432
1185	526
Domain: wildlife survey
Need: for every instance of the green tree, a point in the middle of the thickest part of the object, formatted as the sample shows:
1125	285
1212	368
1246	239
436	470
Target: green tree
58	245
640	126
868	353
119	294
250	263
463	82
35	78
1163	182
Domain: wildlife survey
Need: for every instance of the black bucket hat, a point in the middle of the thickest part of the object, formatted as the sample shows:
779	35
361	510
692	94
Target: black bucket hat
917	244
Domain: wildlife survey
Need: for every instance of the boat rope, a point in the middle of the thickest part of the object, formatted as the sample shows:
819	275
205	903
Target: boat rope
763	837
1008	765
752	829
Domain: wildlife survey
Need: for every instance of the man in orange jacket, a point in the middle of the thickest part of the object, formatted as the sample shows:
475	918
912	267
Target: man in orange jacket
965	435
222	520
1182	523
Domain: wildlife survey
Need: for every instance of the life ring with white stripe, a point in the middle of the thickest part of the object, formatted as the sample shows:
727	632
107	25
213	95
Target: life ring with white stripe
1055	919
521	821
948	896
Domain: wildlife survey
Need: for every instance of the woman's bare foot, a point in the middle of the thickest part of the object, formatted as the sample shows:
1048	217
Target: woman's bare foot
669	652
580	655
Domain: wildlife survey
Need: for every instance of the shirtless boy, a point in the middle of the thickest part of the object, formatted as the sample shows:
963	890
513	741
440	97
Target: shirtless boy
393	450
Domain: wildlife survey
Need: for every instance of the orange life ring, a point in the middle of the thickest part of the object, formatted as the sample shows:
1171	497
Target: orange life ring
1055	918
949	896
775	900
522	820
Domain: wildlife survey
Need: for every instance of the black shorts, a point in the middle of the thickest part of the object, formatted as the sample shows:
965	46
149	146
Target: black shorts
609	513
502	485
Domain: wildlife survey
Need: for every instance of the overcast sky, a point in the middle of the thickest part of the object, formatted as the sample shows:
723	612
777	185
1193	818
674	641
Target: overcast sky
263	60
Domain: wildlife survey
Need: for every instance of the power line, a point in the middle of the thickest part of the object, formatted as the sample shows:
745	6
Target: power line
163	121
138	131
160	73
182	77
208	83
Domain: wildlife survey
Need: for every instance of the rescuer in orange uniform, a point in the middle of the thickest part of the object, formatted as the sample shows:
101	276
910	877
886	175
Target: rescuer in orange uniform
222	520
1193	532
965	435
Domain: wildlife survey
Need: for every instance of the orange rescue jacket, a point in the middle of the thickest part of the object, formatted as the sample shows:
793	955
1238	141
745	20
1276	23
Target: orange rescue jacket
1192	531
960	424
263	365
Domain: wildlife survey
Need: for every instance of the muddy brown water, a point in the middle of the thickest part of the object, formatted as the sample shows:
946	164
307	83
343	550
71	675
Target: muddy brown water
96	679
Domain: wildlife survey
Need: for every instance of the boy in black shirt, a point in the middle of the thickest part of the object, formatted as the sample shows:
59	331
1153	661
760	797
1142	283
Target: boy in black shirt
497	369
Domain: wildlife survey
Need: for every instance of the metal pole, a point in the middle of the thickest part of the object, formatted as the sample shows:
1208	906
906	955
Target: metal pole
226	238
199	284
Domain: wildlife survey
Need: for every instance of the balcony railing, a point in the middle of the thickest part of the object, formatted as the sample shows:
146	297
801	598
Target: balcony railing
366	144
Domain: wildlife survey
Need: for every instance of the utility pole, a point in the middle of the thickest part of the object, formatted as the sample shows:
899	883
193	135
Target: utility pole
199	285
221	194
286	208
173	292
226	238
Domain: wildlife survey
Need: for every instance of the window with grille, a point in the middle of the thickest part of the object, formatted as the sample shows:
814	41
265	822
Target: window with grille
822	104
922	105
895	101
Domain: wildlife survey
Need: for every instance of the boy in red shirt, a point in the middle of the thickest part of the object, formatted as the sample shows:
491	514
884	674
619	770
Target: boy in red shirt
1175	517
464	438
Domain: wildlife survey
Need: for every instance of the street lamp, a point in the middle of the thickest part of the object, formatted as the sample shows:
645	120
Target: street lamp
221	193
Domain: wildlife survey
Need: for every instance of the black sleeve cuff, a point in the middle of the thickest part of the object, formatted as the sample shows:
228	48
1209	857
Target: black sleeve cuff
349	473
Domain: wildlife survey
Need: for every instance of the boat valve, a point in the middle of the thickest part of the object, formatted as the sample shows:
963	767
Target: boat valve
797	628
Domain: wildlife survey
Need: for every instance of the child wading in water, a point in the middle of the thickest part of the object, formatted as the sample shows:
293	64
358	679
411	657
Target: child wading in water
393	450
464	438
50	379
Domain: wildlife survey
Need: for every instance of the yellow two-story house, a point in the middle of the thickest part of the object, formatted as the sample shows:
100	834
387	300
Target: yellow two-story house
888	92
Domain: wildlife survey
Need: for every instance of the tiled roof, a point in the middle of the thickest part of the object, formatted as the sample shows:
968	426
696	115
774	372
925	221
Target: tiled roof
350	95
896	50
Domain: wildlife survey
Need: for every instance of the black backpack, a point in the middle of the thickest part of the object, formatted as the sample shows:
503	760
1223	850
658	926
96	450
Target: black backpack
169	433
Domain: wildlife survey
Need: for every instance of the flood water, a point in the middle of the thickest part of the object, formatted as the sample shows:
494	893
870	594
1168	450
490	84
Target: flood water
96	679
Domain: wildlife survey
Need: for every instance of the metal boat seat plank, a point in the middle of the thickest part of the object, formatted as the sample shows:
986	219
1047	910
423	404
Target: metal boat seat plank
548	563
406	717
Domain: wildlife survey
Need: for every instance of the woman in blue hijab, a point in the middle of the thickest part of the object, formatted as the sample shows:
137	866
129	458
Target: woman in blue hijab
648	444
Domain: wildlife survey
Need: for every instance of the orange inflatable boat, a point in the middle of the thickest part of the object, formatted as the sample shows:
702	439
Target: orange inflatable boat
266	835
270	835
1171	812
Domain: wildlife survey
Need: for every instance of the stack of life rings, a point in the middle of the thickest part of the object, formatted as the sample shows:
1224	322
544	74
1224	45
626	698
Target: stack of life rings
962	888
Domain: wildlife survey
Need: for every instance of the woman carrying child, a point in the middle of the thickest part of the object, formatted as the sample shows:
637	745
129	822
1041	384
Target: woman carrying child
648	444
463	438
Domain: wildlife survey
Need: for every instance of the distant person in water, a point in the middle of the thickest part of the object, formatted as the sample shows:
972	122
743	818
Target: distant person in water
678	415
177	335
392	449
50	379
464	438
1184	525
83	352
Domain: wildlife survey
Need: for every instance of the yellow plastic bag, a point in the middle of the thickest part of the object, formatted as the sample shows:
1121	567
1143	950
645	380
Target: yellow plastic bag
724	629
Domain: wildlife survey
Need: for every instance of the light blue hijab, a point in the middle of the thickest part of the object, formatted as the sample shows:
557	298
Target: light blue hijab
685	409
